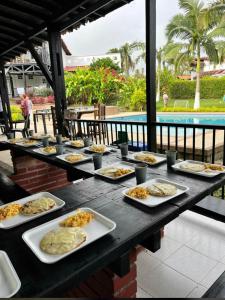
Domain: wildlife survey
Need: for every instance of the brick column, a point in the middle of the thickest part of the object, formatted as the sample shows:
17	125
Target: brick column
106	284
36	176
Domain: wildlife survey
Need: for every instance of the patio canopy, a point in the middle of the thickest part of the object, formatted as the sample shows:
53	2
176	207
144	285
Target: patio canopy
28	20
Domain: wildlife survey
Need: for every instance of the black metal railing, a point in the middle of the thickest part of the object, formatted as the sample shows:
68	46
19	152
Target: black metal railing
192	141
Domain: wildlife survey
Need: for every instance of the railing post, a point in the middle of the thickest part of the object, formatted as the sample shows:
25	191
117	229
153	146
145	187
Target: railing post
150	7
5	98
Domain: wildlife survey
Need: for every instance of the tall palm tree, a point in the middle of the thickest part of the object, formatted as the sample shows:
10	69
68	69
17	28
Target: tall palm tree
126	51
198	27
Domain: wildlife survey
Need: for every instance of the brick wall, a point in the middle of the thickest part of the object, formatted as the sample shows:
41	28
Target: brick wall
36	176
106	284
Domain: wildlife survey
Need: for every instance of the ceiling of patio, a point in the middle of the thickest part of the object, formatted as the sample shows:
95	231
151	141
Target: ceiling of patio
27	20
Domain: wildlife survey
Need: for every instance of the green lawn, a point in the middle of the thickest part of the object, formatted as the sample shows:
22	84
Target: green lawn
214	105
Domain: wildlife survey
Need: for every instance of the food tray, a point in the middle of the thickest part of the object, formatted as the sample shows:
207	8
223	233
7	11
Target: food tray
88	149
9	280
153	201
160	158
208	174
69	144
95	230
29	145
123	165
20	219
40	151
40	137
63	158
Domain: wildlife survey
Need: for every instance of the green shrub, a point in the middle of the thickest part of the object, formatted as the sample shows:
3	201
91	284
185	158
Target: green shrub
211	88
16	113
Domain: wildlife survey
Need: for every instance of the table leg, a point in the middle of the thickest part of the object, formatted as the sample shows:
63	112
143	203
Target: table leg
35	123
44	124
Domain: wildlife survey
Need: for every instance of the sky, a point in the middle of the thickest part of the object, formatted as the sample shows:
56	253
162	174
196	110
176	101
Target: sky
126	24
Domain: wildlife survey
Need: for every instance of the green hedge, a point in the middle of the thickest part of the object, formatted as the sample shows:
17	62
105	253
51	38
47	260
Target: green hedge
16	113
211	88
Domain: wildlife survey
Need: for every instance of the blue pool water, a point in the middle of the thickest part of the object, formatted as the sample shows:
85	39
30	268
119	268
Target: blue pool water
181	119
201	119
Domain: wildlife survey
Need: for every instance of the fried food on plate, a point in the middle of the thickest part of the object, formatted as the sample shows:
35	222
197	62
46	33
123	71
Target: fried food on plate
63	240
162	190
193	167
80	219
115	172
50	149
74	158
212	167
139	193
9	211
77	144
37	206
98	148
148	158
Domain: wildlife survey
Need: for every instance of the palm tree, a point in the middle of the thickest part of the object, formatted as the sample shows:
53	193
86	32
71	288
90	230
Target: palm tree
198	26
126	51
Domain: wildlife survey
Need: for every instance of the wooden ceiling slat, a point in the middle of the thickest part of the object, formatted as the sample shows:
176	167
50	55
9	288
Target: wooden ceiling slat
19	16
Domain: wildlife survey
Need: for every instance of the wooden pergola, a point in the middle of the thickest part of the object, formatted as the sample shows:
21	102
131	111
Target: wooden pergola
25	24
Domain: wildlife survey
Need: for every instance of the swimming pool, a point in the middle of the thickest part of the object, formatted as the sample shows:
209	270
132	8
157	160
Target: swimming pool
201	119
204	119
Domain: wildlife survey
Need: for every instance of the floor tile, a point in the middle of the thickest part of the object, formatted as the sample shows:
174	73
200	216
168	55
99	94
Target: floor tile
191	263
164	282
213	275
198	292
146	263
168	247
142	294
209	243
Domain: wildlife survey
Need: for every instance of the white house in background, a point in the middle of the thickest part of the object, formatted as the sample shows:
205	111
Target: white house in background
23	72
71	63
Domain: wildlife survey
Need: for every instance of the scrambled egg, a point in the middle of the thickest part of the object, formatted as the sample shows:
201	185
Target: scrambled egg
80	219
9	211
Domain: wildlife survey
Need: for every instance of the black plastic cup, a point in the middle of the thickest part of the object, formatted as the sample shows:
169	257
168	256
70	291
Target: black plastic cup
87	142
97	159
59	149
124	150
10	135
45	142
59	139
31	133
171	158
141	173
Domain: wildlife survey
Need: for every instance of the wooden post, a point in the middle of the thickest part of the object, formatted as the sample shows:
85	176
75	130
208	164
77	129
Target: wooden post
150	7
55	47
5	98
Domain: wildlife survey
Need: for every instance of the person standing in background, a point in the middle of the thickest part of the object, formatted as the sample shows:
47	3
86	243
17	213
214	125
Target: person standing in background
165	99
26	107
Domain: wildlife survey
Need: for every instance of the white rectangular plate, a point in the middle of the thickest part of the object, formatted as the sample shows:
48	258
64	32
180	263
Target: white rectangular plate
95	230
40	137
108	150
122	165
9	280
29	145
160	158
63	157
40	151
69	144
153	201
20	219
209	174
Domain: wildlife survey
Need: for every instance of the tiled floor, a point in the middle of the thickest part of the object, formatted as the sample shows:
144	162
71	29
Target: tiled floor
192	257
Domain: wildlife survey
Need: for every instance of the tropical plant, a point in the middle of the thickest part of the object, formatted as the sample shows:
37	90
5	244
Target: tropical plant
198	27
126	51
88	86
105	63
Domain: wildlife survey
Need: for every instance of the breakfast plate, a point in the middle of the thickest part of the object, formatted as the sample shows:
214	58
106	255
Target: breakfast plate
74	158
117	171
19	219
99	149
47	151
199	168
9	280
155	199
146	157
96	229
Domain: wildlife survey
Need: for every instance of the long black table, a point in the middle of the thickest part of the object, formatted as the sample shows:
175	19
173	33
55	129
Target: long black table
135	224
